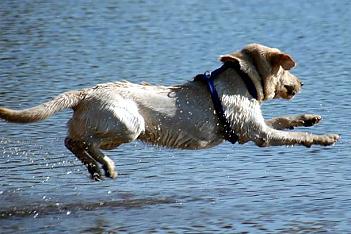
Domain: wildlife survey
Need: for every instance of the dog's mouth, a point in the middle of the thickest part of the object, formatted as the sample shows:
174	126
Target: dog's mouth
288	92
291	95
291	91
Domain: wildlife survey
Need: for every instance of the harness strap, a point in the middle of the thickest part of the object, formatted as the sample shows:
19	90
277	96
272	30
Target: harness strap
208	78
244	77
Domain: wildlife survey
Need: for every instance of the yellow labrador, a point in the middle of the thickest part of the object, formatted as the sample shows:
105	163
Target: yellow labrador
194	115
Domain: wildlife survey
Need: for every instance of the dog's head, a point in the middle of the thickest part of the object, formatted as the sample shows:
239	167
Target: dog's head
269	69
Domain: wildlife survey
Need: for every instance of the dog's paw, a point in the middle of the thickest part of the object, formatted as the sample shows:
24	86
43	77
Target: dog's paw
96	176
110	172
306	120
95	172
324	140
310	120
328	139
109	168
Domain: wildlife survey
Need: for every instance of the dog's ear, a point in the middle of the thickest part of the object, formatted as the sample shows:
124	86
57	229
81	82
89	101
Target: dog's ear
229	57
281	59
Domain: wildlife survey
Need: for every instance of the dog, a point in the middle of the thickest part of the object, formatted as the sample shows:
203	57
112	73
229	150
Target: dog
183	116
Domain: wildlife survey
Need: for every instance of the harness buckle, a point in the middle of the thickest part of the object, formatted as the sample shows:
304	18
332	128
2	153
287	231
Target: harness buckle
208	74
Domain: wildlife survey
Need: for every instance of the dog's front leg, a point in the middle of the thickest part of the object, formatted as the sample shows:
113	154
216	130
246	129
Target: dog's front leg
249	124
273	137
290	122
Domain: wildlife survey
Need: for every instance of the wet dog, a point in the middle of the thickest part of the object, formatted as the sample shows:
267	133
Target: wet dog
184	116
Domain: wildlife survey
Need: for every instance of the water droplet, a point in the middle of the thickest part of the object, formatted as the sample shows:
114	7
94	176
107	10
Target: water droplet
68	212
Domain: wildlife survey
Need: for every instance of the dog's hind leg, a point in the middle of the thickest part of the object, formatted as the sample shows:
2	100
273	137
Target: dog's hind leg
107	164
103	121
290	122
79	149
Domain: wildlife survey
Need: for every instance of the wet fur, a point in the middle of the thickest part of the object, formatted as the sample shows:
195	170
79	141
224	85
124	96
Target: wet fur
182	116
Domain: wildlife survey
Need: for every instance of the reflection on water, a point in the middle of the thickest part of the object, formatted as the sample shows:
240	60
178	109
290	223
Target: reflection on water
57	208
48	48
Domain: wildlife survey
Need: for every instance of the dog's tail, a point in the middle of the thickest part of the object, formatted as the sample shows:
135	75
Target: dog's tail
65	100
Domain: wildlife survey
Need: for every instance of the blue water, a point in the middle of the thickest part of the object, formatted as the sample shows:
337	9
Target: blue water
49	48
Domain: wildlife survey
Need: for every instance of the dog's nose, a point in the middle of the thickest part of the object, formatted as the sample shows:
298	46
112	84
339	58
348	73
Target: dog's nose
301	83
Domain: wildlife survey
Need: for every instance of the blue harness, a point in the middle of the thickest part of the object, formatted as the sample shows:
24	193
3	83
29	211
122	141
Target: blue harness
208	79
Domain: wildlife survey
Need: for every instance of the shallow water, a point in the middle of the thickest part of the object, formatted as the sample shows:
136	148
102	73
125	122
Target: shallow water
46	49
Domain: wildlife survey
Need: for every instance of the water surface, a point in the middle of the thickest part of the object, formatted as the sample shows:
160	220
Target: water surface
49	48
